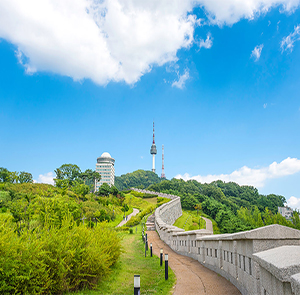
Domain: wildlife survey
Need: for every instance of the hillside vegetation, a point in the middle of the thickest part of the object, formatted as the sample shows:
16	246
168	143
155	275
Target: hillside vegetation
233	207
138	179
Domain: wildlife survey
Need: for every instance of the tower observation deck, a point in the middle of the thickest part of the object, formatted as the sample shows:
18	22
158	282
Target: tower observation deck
153	151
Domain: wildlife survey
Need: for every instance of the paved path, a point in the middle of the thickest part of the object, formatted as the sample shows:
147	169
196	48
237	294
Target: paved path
135	212
192	277
209	225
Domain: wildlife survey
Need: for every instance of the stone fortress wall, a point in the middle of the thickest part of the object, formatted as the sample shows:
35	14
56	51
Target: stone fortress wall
262	261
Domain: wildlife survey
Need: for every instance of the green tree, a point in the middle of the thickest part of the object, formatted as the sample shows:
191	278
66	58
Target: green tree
139	179
114	190
69	172
25	177
198	207
4	175
104	190
296	220
90	177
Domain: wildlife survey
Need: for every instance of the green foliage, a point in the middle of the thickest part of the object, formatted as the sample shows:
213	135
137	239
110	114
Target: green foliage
4	175
89	177
190	221
138	179
161	200
149	196
67	174
135	220
296	220
133	261
55	259
256	219
25	177
15	177
104	190
114	190
222	202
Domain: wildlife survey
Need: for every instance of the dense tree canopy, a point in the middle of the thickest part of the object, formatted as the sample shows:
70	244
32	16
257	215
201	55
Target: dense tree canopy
234	207
15	177
138	179
70	175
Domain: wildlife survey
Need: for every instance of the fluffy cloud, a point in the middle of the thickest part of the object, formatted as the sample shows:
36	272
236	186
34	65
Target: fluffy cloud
287	43
249	176
112	40
101	40
294	202
231	11
206	43
257	52
181	80
46	178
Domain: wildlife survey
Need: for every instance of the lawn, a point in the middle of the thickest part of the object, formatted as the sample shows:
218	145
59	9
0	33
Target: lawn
190	221
139	203
133	261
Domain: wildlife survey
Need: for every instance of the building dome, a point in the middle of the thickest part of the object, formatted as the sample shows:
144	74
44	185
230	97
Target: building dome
106	155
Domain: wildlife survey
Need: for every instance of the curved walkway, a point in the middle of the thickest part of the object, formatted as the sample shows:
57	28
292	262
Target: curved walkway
192	277
135	212
209	225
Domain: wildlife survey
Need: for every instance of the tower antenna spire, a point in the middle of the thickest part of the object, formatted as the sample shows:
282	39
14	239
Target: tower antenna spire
163	164
153	151
153	134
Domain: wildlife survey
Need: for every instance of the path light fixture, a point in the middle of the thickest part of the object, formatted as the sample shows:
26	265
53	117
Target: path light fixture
166	266
161	256
150	249
137	285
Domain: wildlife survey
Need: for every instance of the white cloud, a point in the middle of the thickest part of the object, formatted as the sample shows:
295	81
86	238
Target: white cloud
294	202
181	80
249	176
107	40
206	43
287	43
257	52
231	11
265	105
100	40
46	178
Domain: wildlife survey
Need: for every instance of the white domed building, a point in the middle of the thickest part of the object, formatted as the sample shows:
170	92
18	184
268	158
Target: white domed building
105	167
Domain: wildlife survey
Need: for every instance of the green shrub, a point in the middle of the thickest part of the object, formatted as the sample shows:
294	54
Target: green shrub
145	196
135	220
55	259
162	200
137	194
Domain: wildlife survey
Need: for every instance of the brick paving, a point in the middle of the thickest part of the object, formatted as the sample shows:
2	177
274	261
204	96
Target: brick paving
192	277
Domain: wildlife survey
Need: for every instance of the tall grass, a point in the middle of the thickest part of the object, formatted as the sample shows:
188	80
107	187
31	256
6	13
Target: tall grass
52	260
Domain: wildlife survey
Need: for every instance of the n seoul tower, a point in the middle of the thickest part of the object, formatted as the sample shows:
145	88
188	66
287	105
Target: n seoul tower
153	151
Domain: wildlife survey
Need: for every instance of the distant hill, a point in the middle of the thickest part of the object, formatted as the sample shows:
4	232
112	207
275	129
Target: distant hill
139	179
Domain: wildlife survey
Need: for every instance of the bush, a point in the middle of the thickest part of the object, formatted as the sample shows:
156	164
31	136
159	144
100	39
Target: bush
137	194
135	220
145	196
55	259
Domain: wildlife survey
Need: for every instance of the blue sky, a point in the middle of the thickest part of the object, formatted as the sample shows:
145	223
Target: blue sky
220	80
